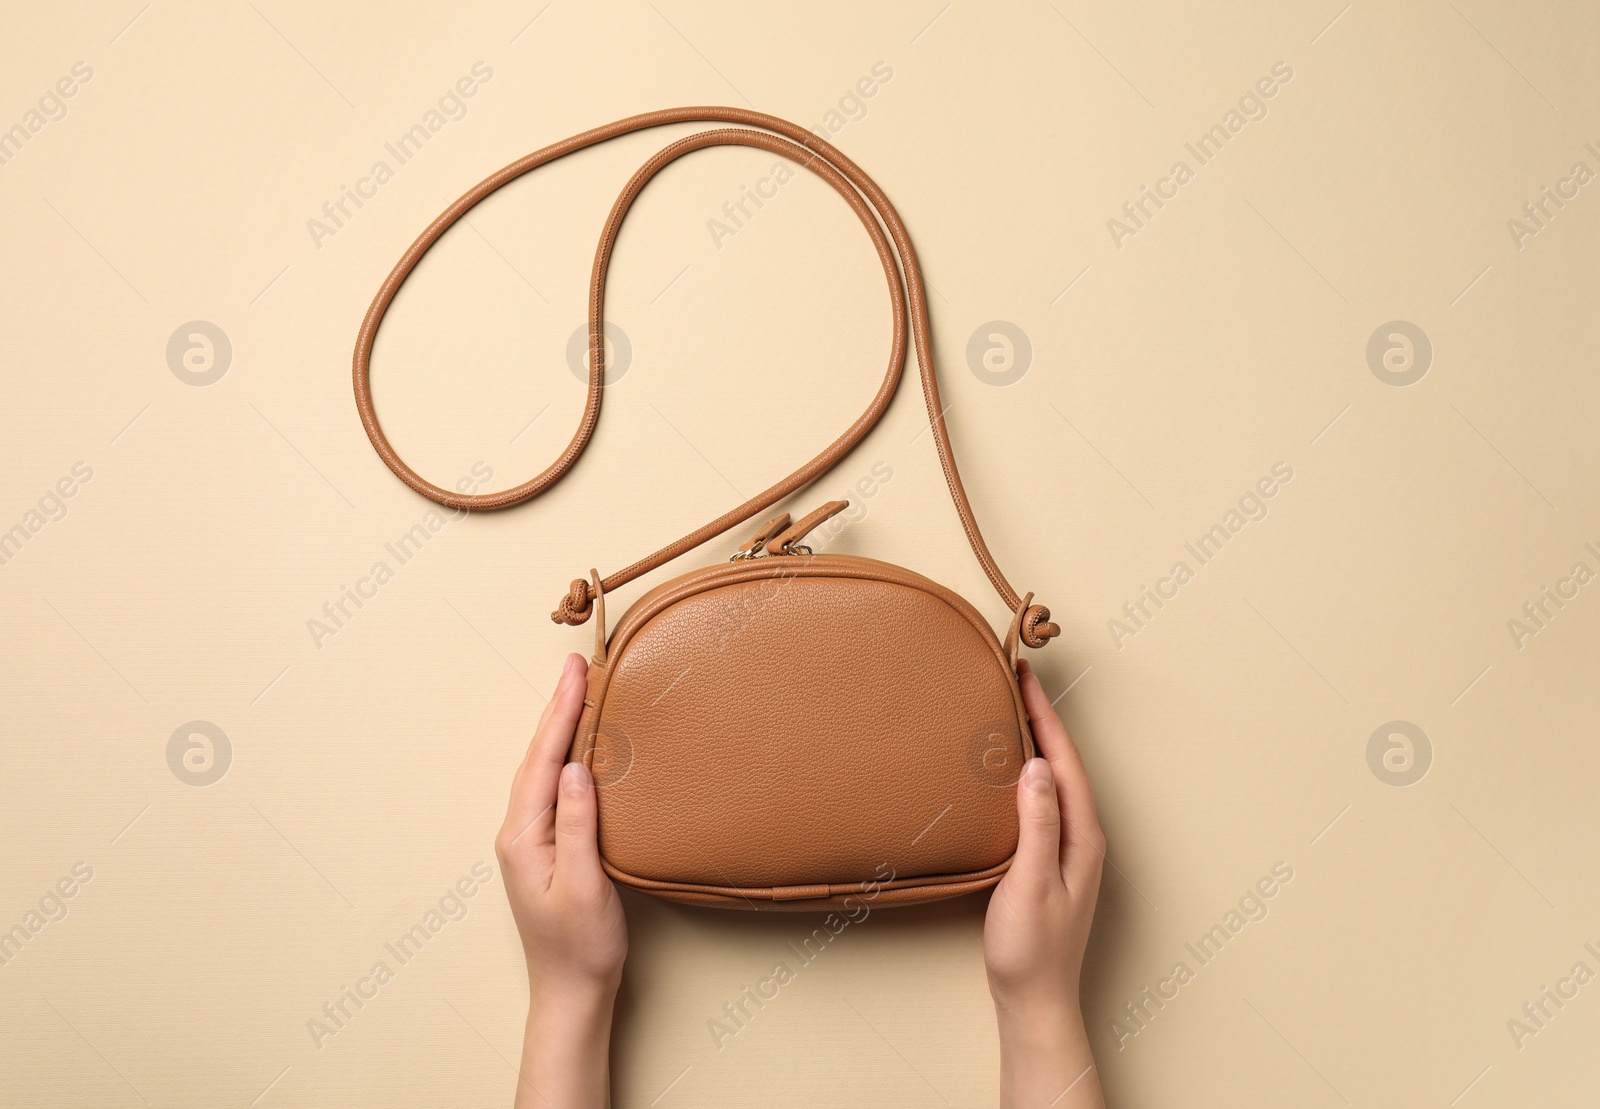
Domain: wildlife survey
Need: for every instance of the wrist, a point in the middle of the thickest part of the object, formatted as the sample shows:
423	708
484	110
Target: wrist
1045	1058
1045	999
566	1045
1040	1020
576	1000
569	1023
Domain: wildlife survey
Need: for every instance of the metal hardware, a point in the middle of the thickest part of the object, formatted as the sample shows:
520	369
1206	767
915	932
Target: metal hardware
757	551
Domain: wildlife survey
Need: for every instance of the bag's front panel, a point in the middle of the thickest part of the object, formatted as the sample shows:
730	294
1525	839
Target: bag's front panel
807	730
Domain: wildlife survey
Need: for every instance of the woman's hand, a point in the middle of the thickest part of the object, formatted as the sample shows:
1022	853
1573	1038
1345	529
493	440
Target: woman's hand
1038	923
574	935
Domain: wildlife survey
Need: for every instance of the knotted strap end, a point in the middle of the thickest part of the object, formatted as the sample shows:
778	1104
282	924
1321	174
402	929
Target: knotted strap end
1030	625
576	606
1037	630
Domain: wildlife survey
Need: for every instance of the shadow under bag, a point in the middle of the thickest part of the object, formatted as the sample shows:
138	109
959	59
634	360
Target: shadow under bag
782	730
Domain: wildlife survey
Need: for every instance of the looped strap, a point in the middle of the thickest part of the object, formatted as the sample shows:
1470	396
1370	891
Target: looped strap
907	302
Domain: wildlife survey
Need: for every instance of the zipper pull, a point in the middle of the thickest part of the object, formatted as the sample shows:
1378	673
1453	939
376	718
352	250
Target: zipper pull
753	548
789	542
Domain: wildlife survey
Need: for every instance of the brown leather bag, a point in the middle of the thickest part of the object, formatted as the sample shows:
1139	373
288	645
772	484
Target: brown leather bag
782	730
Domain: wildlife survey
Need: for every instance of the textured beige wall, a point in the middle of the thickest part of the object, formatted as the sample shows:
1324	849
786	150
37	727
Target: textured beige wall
1236	332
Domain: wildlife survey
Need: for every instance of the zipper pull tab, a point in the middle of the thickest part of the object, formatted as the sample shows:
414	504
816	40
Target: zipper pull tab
753	548
789	542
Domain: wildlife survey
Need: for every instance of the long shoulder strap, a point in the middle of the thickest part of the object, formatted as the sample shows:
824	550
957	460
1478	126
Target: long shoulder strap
900	267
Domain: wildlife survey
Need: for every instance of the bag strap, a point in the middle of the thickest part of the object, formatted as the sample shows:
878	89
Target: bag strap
865	198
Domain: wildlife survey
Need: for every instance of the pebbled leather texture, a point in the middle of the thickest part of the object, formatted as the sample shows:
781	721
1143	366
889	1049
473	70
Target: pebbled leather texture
789	731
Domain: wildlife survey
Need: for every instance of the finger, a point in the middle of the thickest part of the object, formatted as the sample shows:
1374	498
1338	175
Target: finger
553	739
1083	849
1037	864
533	789
576	822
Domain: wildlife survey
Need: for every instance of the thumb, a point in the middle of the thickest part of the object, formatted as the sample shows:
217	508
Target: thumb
576	821
1038	858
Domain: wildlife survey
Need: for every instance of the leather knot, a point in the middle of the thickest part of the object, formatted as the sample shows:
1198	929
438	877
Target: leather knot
1037	630
575	607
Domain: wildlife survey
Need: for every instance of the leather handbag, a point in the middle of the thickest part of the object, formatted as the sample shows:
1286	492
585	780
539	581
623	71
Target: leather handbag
783	729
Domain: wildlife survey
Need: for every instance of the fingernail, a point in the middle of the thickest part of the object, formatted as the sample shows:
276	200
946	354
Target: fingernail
1023	667
574	778
1036	775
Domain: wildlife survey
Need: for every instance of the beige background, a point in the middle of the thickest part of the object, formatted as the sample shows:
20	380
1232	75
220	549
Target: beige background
1168	374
